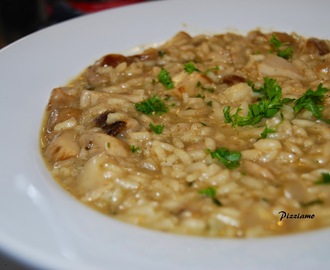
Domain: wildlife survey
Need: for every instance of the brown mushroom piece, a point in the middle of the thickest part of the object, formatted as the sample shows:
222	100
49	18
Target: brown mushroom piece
96	143
115	128
62	147
232	79
112	129
284	37
62	97
59	115
114	60
274	65
322	47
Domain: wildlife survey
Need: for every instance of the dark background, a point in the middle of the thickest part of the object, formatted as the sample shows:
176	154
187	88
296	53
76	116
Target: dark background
22	17
19	18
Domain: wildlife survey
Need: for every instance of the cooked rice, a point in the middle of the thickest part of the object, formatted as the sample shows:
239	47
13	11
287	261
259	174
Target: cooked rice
104	151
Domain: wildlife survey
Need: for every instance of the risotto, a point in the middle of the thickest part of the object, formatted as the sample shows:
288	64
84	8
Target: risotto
214	135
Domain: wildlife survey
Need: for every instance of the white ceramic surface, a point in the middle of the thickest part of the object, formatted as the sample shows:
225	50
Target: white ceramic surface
43	226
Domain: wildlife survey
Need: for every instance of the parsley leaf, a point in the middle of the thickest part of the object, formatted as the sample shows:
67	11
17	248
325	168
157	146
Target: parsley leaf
311	101
165	79
208	89
211	193
285	53
281	49
161	53
325	179
229	158
190	68
158	129
266	131
134	149
275	41
152	105
269	104
216	68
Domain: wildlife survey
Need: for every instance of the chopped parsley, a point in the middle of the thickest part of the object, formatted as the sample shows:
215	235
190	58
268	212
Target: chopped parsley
134	149
325	179
208	89
216	68
161	53
152	105
282	49
165	79
158	129
266	131
229	158
268	105
190	68
211	193
311	101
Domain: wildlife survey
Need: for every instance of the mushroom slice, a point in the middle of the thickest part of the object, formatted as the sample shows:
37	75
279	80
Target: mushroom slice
59	115
274	65
96	143
62	97
97	171
62	147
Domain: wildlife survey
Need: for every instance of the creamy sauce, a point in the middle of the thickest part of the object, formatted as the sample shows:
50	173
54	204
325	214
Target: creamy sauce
165	170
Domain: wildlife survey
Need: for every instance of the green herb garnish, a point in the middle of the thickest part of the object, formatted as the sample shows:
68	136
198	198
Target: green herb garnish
152	105
266	131
274	41
285	53
229	158
134	149
211	193
311	101
165	79
325	179
190	68
200	96
216	68
268	105
282	49
208	89
158	129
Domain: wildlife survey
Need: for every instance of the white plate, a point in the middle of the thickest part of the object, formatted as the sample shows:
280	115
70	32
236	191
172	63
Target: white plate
43	226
